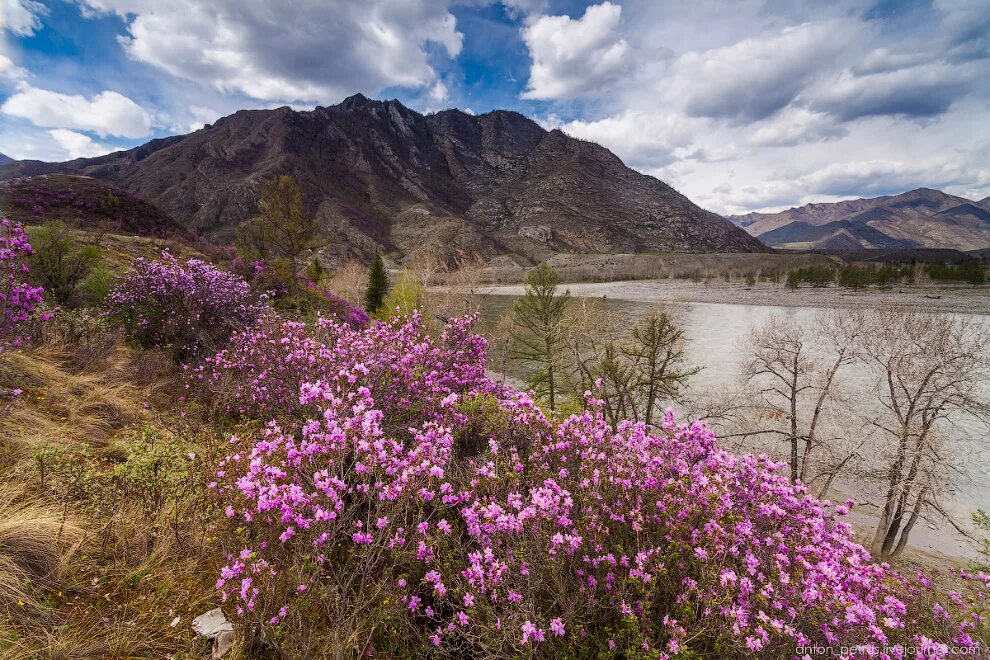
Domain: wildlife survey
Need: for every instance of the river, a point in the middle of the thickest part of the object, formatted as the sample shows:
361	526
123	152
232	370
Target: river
714	333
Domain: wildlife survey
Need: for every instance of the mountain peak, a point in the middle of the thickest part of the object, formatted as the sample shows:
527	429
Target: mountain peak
383	177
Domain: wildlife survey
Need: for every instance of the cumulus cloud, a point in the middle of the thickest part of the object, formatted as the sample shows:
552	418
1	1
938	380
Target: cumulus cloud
755	77
107	113
78	145
574	57
315	50
639	138
767	105
21	17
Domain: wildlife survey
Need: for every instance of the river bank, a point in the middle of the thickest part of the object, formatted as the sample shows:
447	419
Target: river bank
939	298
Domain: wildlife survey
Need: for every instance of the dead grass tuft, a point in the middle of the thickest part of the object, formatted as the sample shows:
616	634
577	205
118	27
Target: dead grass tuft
36	543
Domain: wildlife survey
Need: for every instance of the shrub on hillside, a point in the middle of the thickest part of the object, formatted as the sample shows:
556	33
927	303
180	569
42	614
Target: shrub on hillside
188	309
263	369
17	298
328	303
422	506
61	263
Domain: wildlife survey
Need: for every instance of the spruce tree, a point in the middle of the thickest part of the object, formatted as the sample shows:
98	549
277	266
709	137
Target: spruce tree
377	286
539	321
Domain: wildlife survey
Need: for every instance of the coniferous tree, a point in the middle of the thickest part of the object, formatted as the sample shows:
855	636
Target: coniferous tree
377	286
537	338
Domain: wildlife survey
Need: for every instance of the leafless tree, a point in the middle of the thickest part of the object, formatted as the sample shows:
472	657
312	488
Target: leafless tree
350	281
795	368
929	369
453	292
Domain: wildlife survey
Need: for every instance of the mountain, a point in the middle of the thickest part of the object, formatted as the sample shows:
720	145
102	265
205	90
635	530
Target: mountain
382	177
4	159
919	218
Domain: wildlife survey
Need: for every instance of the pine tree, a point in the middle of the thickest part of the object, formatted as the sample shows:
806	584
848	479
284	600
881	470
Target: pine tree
537	336
377	286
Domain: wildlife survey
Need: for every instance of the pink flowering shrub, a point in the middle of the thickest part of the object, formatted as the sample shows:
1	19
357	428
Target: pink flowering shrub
186	308
421	506
17	298
263	368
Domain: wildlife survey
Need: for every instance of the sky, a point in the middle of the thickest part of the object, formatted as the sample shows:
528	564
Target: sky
742	105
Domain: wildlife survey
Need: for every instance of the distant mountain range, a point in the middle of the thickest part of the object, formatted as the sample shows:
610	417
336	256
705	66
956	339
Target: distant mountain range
920	218
382	177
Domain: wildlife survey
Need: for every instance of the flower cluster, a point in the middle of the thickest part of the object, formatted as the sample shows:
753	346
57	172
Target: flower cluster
420	505
187	308
17	298
262	370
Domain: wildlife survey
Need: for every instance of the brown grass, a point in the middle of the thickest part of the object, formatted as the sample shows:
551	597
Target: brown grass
36	542
81	578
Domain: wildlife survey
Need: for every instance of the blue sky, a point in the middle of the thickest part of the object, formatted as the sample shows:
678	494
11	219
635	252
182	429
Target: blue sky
742	105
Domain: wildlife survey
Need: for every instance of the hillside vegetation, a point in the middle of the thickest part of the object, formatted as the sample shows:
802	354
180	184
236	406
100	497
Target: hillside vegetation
341	485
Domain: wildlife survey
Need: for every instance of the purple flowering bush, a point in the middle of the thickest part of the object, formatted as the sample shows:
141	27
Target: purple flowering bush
422	506
17	298
188	308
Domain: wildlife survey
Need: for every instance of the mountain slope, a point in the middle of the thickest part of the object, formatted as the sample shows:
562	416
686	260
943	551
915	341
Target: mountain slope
919	218
84	202
383	177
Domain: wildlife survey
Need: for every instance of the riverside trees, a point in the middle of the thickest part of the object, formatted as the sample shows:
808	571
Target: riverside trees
573	347
924	371
928	369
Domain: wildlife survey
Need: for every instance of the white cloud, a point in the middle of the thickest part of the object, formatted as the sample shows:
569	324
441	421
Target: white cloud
10	70
315	50
77	145
107	113
754	105
201	116
639	138
438	92
21	17
574	57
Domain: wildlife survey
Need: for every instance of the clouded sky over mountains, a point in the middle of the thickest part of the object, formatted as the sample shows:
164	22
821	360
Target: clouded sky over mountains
741	105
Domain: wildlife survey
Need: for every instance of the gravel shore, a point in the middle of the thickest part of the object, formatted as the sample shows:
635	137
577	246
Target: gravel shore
962	299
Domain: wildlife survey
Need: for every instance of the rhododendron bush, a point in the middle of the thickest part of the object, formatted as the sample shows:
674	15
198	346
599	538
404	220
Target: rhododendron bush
186	308
407	503
17	298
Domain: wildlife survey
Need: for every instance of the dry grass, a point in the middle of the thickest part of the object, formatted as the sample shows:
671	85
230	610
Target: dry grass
36	542
109	581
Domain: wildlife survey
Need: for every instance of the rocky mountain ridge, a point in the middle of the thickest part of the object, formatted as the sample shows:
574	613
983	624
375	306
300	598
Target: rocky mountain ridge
924	217
382	177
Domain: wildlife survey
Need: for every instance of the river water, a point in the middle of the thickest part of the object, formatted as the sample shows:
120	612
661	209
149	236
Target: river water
714	333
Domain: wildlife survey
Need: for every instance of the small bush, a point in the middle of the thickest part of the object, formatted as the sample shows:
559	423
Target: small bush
188	309
61	263
17	298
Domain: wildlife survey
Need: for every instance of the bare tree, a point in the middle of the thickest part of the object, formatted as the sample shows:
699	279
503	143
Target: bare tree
453	293
350	281
796	368
929	369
